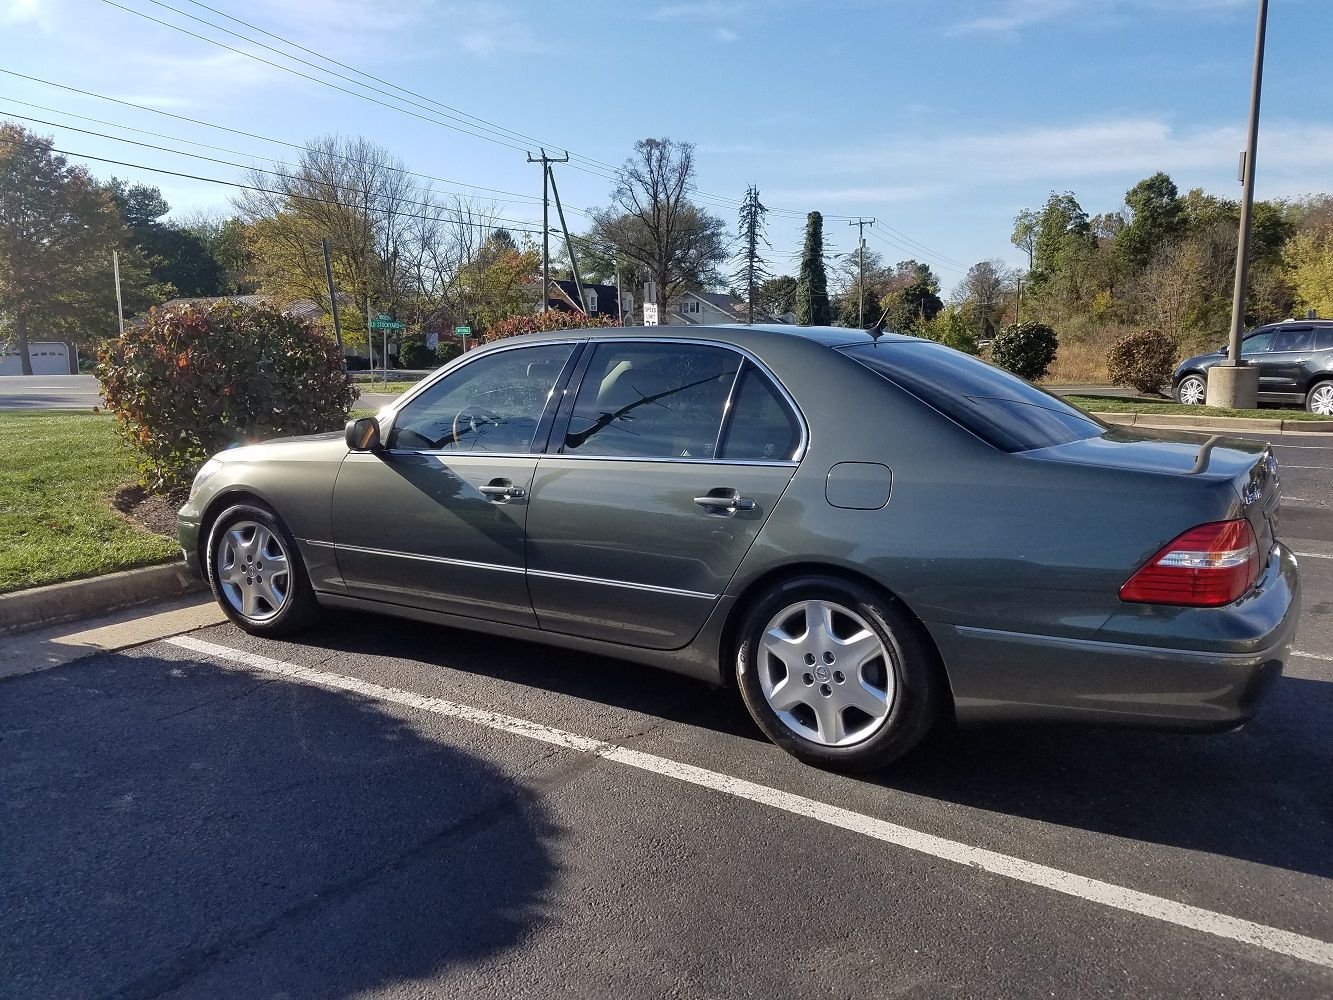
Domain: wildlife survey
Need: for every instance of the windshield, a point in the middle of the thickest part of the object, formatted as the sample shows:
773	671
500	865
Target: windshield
997	407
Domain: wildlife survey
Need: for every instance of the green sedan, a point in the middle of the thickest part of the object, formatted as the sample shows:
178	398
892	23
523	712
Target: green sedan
865	533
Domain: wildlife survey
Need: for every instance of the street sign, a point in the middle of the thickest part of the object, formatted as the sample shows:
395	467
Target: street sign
650	314
462	331
432	341
384	322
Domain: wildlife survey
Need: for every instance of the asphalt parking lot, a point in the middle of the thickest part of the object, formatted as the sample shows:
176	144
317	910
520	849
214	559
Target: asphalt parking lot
386	809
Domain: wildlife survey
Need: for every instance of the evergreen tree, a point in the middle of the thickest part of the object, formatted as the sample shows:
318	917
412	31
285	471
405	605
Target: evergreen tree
812	304
753	269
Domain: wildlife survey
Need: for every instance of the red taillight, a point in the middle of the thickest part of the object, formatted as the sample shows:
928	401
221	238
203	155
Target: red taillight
1205	567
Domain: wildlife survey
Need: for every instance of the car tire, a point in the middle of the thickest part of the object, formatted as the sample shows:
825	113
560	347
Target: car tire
1192	390
270	598
823	635
1320	398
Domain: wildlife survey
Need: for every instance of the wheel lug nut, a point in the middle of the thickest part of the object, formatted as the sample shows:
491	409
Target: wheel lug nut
825	690
810	659
828	657
839	676
807	679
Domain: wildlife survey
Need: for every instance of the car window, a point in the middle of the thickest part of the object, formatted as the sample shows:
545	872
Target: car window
762	426
491	404
651	400
1297	339
1323	339
997	407
1256	343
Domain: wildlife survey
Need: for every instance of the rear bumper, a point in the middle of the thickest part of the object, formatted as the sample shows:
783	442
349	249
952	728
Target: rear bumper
1196	683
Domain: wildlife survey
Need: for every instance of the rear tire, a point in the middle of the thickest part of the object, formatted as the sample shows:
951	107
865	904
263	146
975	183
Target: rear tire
1192	390
255	571
836	674
1320	399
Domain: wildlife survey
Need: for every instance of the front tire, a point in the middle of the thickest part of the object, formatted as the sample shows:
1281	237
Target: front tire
256	572
836	674
1192	390
1320	399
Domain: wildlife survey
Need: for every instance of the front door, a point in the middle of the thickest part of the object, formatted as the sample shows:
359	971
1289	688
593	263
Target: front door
437	519
1281	368
659	477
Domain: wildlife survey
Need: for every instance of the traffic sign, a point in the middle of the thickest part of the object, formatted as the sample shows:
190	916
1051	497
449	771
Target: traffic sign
462	331
385	322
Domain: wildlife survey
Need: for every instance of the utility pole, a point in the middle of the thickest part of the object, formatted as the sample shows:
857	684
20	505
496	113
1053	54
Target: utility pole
546	162
120	309
1233	384
569	244
333	296
860	225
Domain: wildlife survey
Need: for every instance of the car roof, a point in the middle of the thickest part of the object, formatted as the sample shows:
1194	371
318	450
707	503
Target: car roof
829	336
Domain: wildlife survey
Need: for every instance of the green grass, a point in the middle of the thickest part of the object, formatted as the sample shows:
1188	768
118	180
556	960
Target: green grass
1109	404
58	471
383	388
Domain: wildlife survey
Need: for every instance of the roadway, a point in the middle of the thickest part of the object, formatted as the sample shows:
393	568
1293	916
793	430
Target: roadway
385	809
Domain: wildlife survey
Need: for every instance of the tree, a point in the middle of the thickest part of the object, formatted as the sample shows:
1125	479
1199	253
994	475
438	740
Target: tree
652	221
226	240
495	283
753	268
1309	260
1156	216
812	304
58	228
179	261
1024	235
913	299
983	294
777	296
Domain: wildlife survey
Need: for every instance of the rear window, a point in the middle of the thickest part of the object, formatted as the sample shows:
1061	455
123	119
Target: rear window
996	406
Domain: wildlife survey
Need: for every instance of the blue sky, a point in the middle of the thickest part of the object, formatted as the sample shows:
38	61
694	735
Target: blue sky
940	119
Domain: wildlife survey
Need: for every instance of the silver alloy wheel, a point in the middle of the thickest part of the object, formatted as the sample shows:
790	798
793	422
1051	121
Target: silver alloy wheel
253	570
825	673
1192	391
1321	399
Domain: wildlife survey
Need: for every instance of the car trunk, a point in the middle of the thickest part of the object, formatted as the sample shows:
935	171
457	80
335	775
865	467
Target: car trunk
1248	466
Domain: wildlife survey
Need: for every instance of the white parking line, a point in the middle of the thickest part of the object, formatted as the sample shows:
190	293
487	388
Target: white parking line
1312	656
1321	468
1313	555
1220	925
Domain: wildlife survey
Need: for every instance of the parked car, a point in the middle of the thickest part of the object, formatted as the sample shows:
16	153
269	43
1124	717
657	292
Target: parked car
1295	362
865	534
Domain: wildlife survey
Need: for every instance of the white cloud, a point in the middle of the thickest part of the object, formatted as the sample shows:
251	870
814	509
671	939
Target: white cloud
487	29
719	10
38	12
724	35
859	195
1008	17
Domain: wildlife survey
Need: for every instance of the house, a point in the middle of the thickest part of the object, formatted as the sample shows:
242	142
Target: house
711	309
601	300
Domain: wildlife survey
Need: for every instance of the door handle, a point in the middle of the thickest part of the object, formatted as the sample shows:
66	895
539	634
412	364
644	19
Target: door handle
729	501
502	491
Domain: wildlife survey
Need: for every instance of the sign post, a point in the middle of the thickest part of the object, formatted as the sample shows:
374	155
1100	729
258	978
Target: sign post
385	323
464	332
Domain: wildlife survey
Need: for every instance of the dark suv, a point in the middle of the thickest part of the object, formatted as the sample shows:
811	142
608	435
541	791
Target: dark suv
1295	362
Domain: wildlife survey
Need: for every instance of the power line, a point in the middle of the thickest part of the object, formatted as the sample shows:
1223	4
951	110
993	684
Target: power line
264	190
924	248
377	79
237	152
229	163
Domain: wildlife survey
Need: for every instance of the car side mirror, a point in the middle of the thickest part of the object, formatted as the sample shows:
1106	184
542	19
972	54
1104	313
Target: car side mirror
363	434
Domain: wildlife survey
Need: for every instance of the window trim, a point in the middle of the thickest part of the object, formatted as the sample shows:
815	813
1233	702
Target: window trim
566	414
540	436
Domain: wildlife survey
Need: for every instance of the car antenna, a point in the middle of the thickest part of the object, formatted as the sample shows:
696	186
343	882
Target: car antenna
877	330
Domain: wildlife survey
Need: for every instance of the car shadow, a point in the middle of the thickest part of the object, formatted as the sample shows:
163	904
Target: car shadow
170	826
1261	794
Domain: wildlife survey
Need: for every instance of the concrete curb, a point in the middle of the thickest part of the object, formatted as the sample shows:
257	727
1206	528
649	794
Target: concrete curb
62	602
1170	420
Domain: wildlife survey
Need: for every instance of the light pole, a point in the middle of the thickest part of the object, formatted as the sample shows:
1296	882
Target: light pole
1233	384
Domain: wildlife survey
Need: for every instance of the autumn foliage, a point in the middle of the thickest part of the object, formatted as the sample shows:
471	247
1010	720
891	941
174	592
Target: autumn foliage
190	382
545	322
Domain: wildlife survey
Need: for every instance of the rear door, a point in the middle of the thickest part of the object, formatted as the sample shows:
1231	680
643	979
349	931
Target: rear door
661	471
1282	367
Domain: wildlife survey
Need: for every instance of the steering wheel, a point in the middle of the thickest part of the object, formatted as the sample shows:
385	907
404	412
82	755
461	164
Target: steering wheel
471	419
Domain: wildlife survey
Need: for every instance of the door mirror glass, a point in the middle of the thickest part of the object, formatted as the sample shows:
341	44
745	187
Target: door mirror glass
363	434
492	404
647	400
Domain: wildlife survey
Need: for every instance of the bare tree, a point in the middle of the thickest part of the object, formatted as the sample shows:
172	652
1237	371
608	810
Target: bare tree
984	291
652	221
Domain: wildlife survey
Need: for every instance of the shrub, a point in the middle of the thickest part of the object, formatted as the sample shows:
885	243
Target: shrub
950	327
417	355
1143	360
187	383
1026	349
543	322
